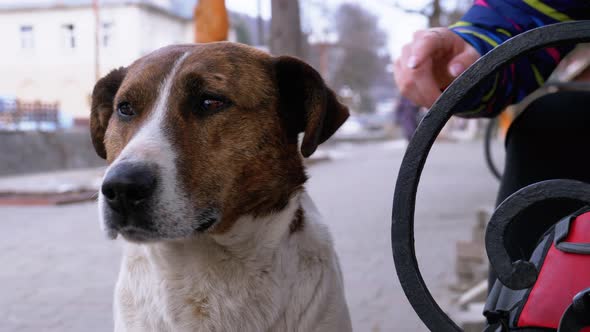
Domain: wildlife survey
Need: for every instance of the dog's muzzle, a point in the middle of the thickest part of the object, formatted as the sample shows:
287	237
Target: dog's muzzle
127	189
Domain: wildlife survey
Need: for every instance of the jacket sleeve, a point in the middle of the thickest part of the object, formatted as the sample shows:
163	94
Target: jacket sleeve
489	23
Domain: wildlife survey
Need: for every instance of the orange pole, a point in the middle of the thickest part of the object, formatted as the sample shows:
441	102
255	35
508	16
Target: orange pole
505	120
211	21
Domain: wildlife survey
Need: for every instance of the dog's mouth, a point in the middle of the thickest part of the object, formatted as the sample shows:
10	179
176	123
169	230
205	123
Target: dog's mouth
145	227
135	234
135	227
205	219
130	229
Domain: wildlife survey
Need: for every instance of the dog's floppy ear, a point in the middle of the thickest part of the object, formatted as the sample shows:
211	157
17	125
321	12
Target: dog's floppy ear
103	96
306	104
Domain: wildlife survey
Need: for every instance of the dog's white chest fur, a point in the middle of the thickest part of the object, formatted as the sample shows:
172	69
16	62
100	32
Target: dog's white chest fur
257	277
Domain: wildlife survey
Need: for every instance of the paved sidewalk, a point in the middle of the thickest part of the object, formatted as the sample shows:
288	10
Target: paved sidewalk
54	182
58	270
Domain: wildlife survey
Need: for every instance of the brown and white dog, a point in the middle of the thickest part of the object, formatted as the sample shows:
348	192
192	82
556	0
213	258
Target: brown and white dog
205	183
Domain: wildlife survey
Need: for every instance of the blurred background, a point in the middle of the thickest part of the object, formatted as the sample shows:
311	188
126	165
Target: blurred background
58	270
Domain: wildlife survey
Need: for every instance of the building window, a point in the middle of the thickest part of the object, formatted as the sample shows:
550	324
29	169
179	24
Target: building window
68	35
107	34
26	37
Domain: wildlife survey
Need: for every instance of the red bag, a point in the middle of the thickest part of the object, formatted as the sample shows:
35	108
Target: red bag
562	258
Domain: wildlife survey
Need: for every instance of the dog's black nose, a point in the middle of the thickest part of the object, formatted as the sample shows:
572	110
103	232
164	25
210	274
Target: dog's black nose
128	184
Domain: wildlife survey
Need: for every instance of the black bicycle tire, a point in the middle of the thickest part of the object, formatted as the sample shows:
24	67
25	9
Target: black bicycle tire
491	126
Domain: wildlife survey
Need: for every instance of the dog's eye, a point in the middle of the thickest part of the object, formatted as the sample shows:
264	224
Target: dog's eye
212	104
125	110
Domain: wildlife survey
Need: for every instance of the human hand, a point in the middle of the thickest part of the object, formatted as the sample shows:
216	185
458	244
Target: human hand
429	63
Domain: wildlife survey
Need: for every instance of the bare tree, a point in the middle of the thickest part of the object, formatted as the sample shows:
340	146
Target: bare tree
361	41
259	24
437	14
285	28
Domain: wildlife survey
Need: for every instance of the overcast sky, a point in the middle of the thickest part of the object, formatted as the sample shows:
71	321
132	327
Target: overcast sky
317	14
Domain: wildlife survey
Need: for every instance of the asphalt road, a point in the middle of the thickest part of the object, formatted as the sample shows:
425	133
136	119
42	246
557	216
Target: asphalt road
58	270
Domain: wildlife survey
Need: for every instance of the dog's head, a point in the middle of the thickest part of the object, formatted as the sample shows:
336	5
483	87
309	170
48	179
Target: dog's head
198	135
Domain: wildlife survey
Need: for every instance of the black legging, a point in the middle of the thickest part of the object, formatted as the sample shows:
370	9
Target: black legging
549	140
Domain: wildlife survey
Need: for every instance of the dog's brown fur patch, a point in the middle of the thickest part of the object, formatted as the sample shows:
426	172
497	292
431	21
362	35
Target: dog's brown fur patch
103	97
244	159
240	159
138	85
298	222
199	307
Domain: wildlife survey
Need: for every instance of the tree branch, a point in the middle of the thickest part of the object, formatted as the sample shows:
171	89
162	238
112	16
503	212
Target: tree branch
423	11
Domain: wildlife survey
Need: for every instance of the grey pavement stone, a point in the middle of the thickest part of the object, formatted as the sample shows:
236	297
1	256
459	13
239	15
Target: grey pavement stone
354	193
58	181
58	270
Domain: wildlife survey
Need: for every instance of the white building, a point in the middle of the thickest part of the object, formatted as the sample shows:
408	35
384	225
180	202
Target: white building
48	48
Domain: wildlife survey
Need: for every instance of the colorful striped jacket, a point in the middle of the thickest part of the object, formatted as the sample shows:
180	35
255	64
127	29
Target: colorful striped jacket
488	23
